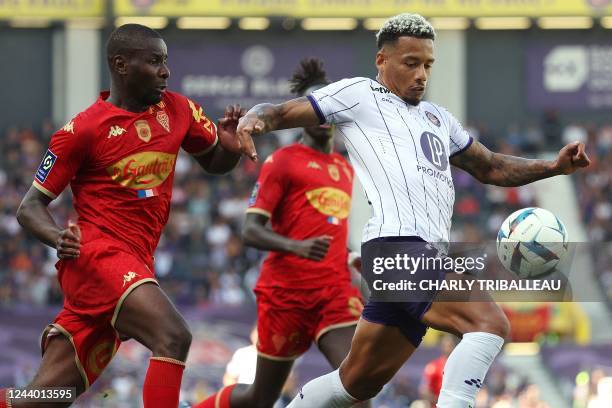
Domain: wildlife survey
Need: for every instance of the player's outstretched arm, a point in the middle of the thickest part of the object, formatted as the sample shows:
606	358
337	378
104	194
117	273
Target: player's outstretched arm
509	171
257	235
34	216
266	117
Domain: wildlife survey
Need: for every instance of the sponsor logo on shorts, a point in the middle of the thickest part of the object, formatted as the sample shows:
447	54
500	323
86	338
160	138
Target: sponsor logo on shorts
475	382
99	357
45	166
128	277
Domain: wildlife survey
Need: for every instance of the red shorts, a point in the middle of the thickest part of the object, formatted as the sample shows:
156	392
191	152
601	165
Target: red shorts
288	320
95	286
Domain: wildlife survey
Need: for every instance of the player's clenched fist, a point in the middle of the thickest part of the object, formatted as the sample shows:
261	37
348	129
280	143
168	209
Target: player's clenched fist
571	157
313	248
68	243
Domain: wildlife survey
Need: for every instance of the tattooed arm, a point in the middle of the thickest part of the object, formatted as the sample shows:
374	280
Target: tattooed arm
266	117
509	171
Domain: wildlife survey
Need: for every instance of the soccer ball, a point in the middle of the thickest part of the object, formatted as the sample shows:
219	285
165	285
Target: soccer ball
531	242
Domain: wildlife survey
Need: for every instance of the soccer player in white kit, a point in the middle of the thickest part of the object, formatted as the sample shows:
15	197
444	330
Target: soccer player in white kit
401	149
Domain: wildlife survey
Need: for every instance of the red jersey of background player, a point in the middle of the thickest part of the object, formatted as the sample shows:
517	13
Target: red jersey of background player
433	376
306	193
120	166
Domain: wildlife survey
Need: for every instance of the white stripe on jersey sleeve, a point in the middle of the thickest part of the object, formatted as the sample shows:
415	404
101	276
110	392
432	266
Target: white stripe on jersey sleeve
338	102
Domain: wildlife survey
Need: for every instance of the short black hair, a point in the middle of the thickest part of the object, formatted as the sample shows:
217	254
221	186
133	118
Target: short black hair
128	37
404	25
309	73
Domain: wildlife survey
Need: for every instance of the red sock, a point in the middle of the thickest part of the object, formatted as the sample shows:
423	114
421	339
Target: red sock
219	400
4	402
162	384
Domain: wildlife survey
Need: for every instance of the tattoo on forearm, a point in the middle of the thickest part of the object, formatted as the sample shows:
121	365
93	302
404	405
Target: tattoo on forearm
269	114
511	171
500	169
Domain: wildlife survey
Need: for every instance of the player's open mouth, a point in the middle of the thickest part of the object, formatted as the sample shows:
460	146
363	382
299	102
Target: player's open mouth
161	88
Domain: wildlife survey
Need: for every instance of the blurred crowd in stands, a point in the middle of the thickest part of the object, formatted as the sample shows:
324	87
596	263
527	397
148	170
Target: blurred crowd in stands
202	262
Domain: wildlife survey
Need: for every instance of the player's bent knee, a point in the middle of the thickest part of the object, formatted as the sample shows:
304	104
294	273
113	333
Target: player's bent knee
174	342
363	382
495	323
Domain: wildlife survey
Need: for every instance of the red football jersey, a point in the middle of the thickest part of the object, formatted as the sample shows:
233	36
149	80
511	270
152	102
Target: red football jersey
306	193
120	166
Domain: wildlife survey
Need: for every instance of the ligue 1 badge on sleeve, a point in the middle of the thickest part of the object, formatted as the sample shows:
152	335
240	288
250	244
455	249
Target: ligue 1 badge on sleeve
143	130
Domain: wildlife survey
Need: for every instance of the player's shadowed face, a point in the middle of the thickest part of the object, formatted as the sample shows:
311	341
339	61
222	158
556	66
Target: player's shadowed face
147	72
404	67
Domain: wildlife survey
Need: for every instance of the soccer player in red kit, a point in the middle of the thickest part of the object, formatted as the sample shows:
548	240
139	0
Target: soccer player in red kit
304	293
119	156
432	375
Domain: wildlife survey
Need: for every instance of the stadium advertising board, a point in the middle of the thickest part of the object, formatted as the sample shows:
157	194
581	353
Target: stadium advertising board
58	9
362	8
261	73
569	76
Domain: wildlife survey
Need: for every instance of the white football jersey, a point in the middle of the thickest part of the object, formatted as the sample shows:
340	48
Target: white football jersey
400	153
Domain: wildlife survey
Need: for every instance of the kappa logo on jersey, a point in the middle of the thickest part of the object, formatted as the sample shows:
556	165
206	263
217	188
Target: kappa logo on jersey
432	118
115	131
128	277
45	166
69	127
313	165
254	194
434	150
330	201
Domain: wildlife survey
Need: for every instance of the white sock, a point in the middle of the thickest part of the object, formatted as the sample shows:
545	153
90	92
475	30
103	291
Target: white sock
323	392
466	368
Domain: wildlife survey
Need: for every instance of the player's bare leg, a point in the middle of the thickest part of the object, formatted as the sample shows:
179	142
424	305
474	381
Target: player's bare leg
58	369
270	378
483	328
148	316
335	346
377	353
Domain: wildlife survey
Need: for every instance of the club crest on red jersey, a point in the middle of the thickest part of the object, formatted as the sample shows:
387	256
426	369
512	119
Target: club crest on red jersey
143	130
333	171
163	119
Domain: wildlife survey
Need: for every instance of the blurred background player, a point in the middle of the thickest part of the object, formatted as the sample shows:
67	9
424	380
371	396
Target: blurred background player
304	293
432	375
119	157
382	122
241	368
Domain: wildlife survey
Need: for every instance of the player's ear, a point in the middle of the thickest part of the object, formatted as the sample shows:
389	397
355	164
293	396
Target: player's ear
119	64
381	59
